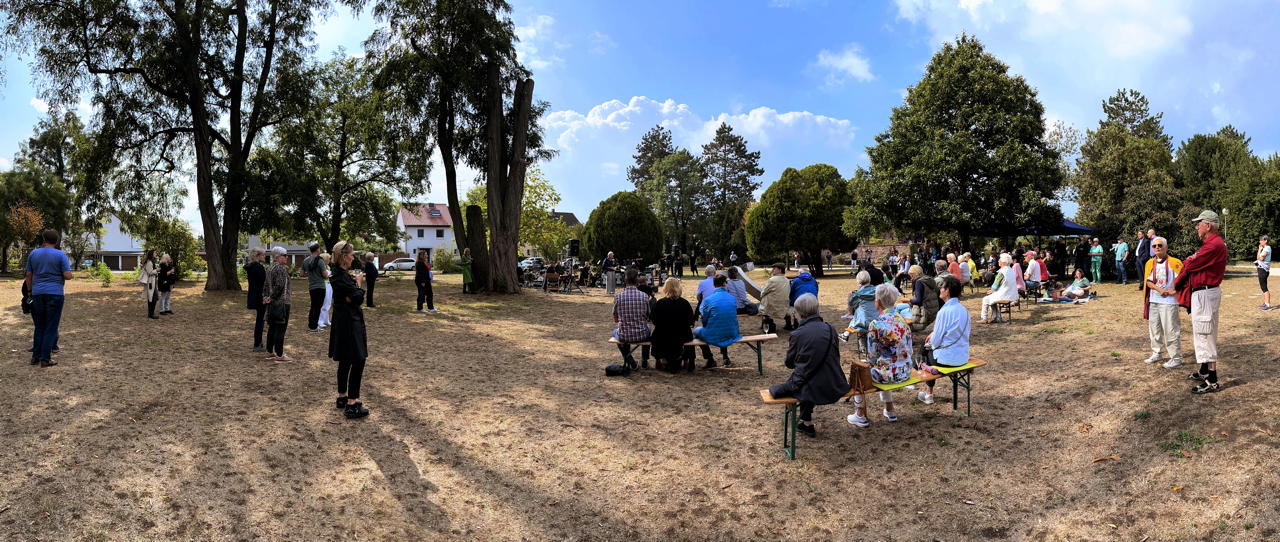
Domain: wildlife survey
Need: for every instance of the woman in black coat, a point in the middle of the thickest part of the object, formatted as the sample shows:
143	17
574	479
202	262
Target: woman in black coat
673	319
347	341
257	276
814	354
422	279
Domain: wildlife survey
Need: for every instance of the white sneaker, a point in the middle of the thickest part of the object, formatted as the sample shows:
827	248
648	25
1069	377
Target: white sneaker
1154	358
422	311
924	398
859	421
434	310
892	417
1175	362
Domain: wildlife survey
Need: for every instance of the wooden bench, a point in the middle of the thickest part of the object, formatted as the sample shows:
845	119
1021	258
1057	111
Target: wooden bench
860	382
1006	308
755	342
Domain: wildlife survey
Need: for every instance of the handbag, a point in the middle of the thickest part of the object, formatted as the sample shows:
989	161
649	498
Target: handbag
617	370
277	313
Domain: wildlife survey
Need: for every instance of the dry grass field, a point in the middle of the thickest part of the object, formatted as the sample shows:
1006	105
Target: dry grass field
493	420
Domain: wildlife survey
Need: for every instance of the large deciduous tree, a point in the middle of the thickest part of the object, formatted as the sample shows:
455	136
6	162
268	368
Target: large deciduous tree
802	212
654	146
1219	171
175	80
965	150
539	227
623	224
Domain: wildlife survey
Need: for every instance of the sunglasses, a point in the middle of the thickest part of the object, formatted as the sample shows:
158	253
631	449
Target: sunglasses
1158	246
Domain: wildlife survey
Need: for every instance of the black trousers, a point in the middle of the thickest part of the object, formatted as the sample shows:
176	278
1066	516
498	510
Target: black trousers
258	322
275	333
706	352
151	303
313	312
806	411
626	353
424	292
349	375
368	292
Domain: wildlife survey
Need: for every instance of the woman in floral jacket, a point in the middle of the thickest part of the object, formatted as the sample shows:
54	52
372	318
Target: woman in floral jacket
888	353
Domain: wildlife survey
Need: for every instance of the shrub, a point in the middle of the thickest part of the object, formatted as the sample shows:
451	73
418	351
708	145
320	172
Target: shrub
445	261
241	274
101	272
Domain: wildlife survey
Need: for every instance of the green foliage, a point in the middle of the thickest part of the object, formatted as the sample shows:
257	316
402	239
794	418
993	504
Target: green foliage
173	237
730	171
969	141
1219	171
538	227
654	146
101	272
677	192
625	225
802	211
445	261
1186	441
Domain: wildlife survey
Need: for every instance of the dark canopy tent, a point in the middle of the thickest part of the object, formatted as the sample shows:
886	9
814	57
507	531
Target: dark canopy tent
1066	228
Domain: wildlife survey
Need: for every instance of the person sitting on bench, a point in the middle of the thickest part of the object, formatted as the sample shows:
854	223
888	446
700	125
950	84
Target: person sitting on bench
739	291
672	327
888	353
774	297
631	313
804	283
862	302
948	345
1003	288
719	322
814	355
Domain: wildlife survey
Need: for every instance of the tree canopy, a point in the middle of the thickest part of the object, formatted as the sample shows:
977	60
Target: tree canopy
654	146
803	212
625	225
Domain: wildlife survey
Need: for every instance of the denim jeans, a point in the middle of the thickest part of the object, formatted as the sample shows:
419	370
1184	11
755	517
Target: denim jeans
1120	272
47	309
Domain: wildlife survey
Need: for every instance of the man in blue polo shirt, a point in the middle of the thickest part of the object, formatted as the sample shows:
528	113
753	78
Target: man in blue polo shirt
47	269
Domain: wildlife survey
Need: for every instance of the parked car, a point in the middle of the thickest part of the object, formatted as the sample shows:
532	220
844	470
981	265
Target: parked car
399	264
531	263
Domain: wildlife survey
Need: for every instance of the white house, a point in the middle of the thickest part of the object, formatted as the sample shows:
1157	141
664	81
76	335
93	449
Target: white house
119	250
426	226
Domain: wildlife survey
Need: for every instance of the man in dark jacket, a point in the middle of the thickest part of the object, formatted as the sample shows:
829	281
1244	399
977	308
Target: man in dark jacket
371	277
813	352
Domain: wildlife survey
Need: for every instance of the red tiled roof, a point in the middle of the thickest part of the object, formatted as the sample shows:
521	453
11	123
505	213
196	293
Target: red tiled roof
422	215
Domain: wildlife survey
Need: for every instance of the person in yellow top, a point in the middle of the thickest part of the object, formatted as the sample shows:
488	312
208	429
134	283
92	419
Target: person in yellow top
1160	304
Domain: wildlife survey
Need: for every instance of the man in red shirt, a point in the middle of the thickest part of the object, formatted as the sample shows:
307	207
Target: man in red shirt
1198	292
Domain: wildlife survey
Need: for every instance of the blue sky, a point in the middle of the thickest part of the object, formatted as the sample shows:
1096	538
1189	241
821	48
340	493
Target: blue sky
809	81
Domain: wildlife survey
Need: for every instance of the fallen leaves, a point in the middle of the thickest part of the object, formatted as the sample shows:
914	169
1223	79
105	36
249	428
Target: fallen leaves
1108	458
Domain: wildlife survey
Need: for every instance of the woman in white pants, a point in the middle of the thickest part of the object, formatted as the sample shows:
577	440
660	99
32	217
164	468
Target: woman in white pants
1005	287
325	309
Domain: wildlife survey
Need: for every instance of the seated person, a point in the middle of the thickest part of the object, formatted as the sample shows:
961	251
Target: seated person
1004	288
631	313
774	298
888	353
862	302
672	327
877	277
949	342
1080	287
814	356
1032	276
719	322
989	276
738	289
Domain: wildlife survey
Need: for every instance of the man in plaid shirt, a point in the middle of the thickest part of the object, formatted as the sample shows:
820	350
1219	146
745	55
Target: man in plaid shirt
631	313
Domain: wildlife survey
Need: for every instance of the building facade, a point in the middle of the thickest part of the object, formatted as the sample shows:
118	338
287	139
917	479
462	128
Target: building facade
426	226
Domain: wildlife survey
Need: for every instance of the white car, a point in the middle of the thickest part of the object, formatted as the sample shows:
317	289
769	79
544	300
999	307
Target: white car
400	264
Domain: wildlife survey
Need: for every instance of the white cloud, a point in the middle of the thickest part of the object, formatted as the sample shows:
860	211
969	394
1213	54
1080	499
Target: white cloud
5	165
1216	87
40	105
845	64
535	37
611	169
601	43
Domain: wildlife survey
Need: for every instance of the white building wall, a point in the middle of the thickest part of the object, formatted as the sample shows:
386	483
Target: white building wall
114	240
430	239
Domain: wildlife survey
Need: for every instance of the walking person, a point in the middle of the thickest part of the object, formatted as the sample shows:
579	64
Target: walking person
370	278
257	276
1199	292
28	303
422	279
317	277
47	270
149	276
348	342
277	297
1263	263
168	277
1161	306
327	306
468	285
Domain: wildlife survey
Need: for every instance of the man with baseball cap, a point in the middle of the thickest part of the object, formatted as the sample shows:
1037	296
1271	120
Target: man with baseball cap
1199	293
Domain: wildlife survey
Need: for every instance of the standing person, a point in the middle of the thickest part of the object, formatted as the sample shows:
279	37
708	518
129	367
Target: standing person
1004	287
719	322
317	277
149	276
774	297
48	269
1095	261
631	314
796	257
277	295
679	265
168	277
1161	306
370	277
1263	263
468	284
610	267
813	354
804	283
888	352
1199	293
327	306
733	258
422	279
1081	255
1142	252
673	321
893	263
829	266
348	343
257	276
1122	255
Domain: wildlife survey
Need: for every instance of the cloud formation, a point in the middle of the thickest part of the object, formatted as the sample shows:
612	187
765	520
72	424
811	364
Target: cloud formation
40	105
843	65
535	38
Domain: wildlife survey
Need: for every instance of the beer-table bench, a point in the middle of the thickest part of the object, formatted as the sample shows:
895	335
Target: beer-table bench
960	378
755	342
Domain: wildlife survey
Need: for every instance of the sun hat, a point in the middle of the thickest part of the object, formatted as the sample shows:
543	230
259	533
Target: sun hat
1207	215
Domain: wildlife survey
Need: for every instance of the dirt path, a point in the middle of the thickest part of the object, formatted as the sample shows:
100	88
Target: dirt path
492	420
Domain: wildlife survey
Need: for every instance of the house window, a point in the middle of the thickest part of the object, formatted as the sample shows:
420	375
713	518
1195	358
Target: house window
439	233
421	232
435	212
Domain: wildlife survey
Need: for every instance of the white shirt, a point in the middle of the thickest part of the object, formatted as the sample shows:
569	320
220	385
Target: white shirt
1163	277
950	341
1009	289
1033	271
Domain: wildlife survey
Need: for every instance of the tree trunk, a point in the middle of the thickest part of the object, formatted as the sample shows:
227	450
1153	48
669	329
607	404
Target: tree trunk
506	182
444	129
479	251
4	258
814	261
218	265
